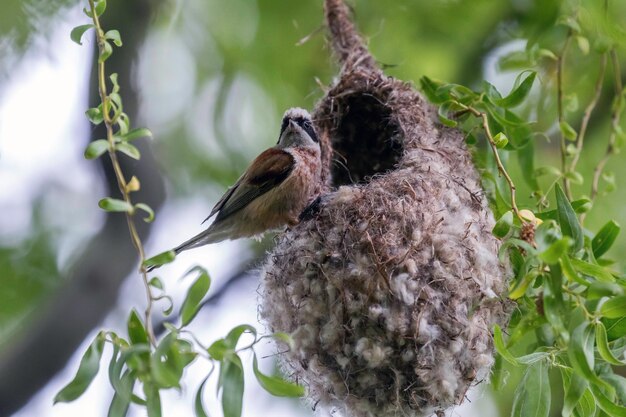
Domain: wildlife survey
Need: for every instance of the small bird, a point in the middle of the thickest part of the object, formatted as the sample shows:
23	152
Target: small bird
278	185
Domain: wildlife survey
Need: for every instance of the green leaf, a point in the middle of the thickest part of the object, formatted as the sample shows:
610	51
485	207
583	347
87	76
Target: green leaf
231	377
615	328
169	360
567	219
500	346
583	44
575	386
570	22
116	86
533	358
276	385
114	35
556	250
443	111
498	374
96	149
575	177
128	149
87	371
198	406
500	140
618	382
520	289
518	95
581	353
156	282
160	259
582	205
604	289
161	366
568	131
101	6
218	349
115	205
123	122
614	308
604	239
133	357
429	88
592	270
586	406
553	303
120	404
503	225
195	294
94	115
232	338
105	52
603	346
570	273
140	132
532	396
148	210
78	32
606	404
153	400
137	333
221	347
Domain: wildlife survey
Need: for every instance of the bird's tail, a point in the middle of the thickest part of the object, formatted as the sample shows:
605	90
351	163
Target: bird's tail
210	235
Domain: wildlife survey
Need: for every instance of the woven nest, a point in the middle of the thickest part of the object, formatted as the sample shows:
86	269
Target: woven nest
390	287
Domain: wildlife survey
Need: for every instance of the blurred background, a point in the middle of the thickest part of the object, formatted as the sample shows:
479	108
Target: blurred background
211	79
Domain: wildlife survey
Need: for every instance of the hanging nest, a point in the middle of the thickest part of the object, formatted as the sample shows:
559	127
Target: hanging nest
390	287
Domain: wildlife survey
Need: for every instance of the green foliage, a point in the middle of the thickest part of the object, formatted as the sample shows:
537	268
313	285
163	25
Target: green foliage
141	359
571	307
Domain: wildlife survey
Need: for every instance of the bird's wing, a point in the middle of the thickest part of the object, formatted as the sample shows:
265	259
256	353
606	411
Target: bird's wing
268	170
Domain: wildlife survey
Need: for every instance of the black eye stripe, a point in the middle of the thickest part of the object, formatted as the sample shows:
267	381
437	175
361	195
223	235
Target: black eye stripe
308	128
283	126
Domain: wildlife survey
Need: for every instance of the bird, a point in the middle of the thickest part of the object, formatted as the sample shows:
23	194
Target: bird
273	191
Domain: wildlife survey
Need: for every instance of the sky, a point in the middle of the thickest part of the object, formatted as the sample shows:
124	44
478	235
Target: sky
42	136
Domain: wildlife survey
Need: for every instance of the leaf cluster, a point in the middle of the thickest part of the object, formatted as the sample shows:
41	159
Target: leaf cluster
570	313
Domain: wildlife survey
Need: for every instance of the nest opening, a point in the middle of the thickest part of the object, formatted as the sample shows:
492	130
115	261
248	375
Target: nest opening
367	140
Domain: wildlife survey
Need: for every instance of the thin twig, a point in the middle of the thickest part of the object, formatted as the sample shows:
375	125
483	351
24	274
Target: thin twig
496	155
615	121
586	117
119	175
561	119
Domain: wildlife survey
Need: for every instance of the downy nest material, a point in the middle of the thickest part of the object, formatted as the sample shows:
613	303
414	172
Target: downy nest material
391	287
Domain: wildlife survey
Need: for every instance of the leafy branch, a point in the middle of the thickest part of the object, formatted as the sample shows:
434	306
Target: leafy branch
141	360
111	112
571	302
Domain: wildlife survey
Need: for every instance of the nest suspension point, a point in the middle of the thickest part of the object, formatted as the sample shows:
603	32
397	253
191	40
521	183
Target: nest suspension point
391	289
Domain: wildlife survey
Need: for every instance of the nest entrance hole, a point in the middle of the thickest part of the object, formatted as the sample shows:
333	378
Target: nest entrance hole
366	142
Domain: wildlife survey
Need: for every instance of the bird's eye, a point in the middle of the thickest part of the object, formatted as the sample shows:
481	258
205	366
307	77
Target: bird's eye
308	128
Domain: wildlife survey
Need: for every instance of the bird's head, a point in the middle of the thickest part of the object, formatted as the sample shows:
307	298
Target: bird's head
297	129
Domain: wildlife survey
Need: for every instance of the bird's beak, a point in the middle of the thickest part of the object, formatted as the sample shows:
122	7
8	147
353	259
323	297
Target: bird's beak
291	127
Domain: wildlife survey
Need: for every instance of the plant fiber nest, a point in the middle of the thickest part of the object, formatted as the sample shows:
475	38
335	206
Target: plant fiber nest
391	287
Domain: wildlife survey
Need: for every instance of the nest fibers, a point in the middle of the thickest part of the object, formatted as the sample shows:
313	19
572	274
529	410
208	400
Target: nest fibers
390	289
